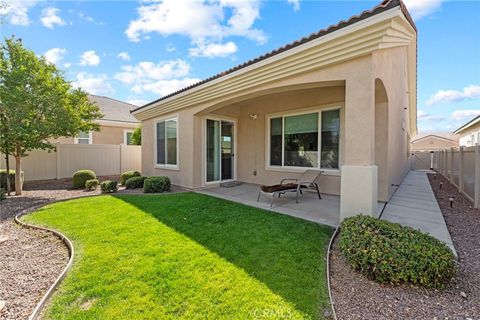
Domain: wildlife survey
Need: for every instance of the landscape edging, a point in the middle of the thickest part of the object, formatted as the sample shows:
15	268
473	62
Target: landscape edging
332	304
68	243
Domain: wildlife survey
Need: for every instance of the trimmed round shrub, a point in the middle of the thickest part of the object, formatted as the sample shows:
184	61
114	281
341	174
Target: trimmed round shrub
127	175
135	182
390	253
156	184
109	186
81	176
91	184
3	178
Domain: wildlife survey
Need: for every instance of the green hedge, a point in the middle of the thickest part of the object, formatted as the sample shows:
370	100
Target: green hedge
91	184
109	186
127	175
3	179
135	182
3	196
156	184
81	176
390	253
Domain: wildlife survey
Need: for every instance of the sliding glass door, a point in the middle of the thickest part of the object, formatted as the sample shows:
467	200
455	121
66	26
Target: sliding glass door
219	150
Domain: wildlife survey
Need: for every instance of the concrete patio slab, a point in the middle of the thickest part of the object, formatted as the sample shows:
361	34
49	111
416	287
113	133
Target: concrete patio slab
414	205
325	211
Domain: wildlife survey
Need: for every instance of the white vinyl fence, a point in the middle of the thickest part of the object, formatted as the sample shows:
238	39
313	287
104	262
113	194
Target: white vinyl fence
462	167
104	159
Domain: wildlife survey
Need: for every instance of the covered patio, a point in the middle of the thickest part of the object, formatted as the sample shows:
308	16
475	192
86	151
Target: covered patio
325	211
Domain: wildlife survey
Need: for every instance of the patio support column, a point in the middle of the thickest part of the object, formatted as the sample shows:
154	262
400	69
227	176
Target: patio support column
359	174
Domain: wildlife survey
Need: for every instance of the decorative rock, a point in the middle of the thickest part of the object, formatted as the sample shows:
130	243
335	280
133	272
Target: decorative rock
463	294
2	305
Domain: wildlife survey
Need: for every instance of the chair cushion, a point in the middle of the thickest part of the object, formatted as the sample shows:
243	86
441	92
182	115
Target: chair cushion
280	187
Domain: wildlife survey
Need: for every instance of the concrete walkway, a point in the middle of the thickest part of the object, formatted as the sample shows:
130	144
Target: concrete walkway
414	205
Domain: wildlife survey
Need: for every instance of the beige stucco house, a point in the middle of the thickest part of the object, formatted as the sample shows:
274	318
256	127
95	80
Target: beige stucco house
434	142
116	126
342	100
469	133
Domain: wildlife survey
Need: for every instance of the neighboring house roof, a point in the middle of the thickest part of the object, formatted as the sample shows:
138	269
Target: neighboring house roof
434	136
468	124
382	7
114	110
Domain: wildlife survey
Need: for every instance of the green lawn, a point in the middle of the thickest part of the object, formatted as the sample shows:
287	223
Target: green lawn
186	256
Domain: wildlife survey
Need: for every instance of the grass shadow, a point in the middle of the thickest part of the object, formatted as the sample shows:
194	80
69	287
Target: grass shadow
285	253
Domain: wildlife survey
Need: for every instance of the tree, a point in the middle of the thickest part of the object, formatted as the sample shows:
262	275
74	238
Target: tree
37	104
137	136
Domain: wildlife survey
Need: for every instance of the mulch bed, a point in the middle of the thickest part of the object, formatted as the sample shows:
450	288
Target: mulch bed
31	260
356	297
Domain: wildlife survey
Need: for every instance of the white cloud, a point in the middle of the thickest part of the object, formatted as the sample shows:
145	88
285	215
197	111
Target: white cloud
164	87
50	17
17	11
201	21
160	78
170	47
424	116
421	114
94	84
138	102
295	4
67	65
461	115
445	96
55	55
89	58
147	70
85	17
213	50
124	56
422	8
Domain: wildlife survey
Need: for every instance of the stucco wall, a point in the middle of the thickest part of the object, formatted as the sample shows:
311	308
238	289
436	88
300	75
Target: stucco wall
432	143
252	135
390	66
352	88
356	95
106	135
465	135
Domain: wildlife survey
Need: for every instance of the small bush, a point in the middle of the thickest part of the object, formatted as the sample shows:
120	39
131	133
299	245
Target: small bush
127	175
390	253
3	196
81	176
3	179
156	184
91	184
109	186
135	182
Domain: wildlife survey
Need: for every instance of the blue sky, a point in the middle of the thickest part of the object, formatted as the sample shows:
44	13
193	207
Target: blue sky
138	51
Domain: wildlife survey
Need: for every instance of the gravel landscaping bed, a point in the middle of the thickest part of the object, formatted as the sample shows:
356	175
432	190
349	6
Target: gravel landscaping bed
31	260
356	297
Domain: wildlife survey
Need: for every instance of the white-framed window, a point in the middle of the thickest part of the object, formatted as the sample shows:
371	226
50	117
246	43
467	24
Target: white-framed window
83	138
310	139
127	137
166	143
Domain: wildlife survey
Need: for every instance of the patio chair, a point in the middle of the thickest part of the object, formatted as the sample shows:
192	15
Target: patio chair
306	181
